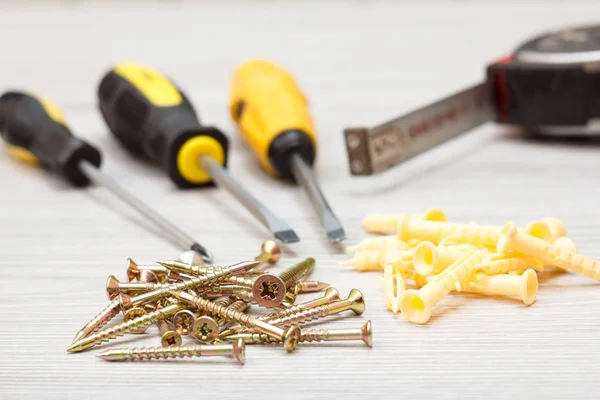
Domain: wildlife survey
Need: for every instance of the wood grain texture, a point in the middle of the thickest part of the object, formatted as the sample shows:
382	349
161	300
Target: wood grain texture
359	63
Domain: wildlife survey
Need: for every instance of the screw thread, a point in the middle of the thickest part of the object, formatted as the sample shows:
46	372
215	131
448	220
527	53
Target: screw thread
227	313
237	305
302	316
314	335
209	279
127	327
291	275
252	338
163	326
226	302
284	313
240	280
156	353
236	291
103	317
195	270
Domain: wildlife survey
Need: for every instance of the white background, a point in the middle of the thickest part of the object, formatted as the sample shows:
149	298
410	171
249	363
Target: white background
358	63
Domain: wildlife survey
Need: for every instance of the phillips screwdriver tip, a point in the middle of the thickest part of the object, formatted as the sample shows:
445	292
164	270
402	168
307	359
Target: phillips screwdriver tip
206	255
288	236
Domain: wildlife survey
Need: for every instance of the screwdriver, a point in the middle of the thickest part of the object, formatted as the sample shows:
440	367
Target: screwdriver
272	114
154	120
36	131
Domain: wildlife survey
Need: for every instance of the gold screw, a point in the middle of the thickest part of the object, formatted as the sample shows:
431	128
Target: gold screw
170	337
236	349
183	321
159	291
134	271
364	333
289	337
135	313
354	302
310	287
205	329
330	295
103	317
195	270
123	328
269	290
269	252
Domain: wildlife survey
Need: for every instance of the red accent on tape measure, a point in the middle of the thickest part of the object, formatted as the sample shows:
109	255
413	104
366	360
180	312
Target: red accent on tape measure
501	88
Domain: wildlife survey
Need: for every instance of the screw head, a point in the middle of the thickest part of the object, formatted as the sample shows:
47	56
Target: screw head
205	329
239	350
272	247
112	285
135	313
124	301
366	332
291	338
132	270
148	276
358	301
268	290
332	294
170	338
183	321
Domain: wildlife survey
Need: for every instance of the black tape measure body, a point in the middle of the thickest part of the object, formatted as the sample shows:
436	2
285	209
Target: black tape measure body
551	84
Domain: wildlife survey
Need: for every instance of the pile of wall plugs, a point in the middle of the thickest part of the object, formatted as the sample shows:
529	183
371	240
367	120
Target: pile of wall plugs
424	257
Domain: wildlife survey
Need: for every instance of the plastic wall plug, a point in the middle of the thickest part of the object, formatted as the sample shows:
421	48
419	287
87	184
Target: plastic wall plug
387	223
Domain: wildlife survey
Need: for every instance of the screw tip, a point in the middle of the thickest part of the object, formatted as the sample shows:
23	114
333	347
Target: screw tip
80	335
74	347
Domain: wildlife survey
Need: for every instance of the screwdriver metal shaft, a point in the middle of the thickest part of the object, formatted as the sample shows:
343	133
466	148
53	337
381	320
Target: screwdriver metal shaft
280	229
304	176
178	236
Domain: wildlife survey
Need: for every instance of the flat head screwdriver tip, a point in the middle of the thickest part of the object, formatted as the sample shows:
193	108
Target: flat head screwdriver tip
288	236
336	236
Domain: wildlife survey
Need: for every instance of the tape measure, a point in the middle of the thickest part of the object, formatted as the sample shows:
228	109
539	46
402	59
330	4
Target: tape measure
550	85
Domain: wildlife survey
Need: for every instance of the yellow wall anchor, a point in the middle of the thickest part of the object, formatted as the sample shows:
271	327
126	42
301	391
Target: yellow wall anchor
513	240
378	242
416	305
388	223
524	286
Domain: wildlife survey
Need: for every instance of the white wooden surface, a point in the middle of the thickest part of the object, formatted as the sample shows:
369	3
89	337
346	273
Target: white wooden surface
359	63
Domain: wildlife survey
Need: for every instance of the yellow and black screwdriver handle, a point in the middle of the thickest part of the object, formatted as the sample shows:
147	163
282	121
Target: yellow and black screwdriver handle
272	114
153	119
36	131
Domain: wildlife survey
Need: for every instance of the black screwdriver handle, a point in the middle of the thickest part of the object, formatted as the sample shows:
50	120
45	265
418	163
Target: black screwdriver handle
33	124
153	119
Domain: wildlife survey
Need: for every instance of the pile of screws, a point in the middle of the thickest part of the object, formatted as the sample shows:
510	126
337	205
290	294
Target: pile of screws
210	304
435	256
